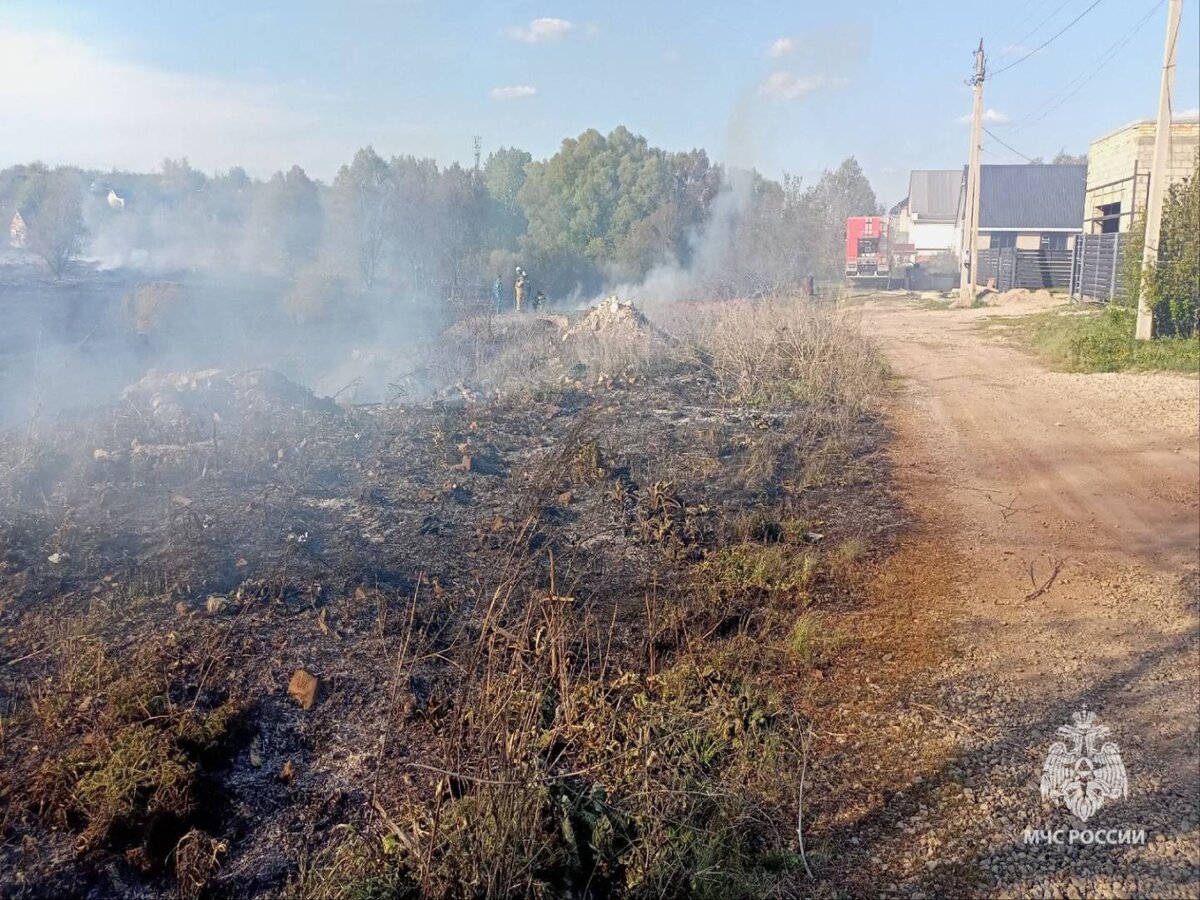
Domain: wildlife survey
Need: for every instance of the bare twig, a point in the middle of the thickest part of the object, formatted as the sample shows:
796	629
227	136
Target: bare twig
952	720
800	801
1049	582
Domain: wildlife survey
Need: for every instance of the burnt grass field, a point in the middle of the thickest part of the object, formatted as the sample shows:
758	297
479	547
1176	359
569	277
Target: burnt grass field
553	621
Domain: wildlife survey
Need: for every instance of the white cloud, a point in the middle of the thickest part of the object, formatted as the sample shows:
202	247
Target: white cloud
1188	115
1014	50
781	47
64	101
787	86
989	117
541	30
513	92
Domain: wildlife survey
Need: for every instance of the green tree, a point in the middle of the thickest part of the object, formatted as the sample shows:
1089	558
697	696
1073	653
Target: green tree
1174	287
504	176
461	205
412	228
1062	157
363	195
51	205
285	224
586	199
837	195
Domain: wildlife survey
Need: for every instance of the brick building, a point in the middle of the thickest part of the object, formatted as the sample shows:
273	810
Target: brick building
1118	175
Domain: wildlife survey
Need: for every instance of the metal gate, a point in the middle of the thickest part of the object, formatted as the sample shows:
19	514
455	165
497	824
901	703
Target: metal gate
1008	268
1097	270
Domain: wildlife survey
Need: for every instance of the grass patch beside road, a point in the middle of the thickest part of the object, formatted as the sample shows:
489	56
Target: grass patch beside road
1102	341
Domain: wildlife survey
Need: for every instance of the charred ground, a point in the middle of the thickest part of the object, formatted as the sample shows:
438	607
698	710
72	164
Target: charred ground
570	600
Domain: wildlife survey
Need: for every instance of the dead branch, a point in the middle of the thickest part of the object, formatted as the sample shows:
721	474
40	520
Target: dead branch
1049	582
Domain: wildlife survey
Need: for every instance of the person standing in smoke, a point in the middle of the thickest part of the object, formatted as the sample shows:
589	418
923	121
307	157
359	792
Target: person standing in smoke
497	295
519	290
539	300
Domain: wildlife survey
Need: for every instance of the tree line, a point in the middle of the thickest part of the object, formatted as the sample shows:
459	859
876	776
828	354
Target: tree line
603	210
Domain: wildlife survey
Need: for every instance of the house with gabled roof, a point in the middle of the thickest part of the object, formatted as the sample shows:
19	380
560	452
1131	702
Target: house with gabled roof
929	215
1029	206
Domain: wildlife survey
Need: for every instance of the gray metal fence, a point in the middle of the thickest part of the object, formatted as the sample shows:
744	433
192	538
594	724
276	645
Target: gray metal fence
1098	265
1009	268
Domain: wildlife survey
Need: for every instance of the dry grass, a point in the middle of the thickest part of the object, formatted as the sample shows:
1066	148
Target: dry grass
561	769
565	751
123	742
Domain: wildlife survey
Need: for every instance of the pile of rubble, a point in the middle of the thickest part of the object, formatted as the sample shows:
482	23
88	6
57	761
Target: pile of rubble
613	316
189	402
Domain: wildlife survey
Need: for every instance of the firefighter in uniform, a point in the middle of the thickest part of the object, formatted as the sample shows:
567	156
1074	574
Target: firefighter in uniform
519	290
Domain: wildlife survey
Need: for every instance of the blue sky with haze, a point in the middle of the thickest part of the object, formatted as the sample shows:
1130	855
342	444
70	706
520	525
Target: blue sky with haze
782	86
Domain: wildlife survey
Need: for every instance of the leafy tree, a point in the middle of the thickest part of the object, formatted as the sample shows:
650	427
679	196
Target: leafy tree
179	180
615	204
51	205
837	196
411	227
504	176
461	205
363	195
586	199
285	224
1174	287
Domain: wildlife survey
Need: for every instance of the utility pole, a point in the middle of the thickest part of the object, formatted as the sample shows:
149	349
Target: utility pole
966	292
1158	173
478	140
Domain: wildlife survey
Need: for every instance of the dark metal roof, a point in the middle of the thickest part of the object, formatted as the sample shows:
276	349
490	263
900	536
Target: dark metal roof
933	194
1032	197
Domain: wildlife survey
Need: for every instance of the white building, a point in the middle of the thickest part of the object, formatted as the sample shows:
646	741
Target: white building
926	219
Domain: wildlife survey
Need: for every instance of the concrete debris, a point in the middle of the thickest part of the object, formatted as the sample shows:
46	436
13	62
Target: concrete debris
612	315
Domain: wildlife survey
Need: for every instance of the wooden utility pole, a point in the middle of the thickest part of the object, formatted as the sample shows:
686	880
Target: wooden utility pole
1158	172
966	293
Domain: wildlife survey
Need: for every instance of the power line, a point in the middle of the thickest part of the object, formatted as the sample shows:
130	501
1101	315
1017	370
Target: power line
1076	84
1002	144
1048	40
1038	27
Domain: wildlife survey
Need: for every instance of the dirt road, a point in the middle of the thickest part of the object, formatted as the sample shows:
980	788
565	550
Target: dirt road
1019	473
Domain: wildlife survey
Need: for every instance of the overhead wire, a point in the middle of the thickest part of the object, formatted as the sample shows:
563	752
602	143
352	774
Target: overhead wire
1038	27
1076	84
1008	146
1050	40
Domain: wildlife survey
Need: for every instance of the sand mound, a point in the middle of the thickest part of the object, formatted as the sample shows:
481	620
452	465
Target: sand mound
1021	296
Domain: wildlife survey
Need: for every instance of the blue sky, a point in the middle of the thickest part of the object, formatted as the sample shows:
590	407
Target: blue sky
783	86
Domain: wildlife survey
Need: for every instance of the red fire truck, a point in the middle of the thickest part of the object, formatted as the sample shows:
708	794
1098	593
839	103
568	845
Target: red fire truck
868	249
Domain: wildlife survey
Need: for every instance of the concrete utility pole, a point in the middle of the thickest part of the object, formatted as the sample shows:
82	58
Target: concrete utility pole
1158	172
966	293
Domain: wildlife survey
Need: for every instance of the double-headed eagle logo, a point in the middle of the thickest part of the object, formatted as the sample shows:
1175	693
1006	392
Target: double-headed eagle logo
1080	776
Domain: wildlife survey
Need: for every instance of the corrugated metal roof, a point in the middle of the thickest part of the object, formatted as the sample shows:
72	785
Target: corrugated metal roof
1032	196
933	194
